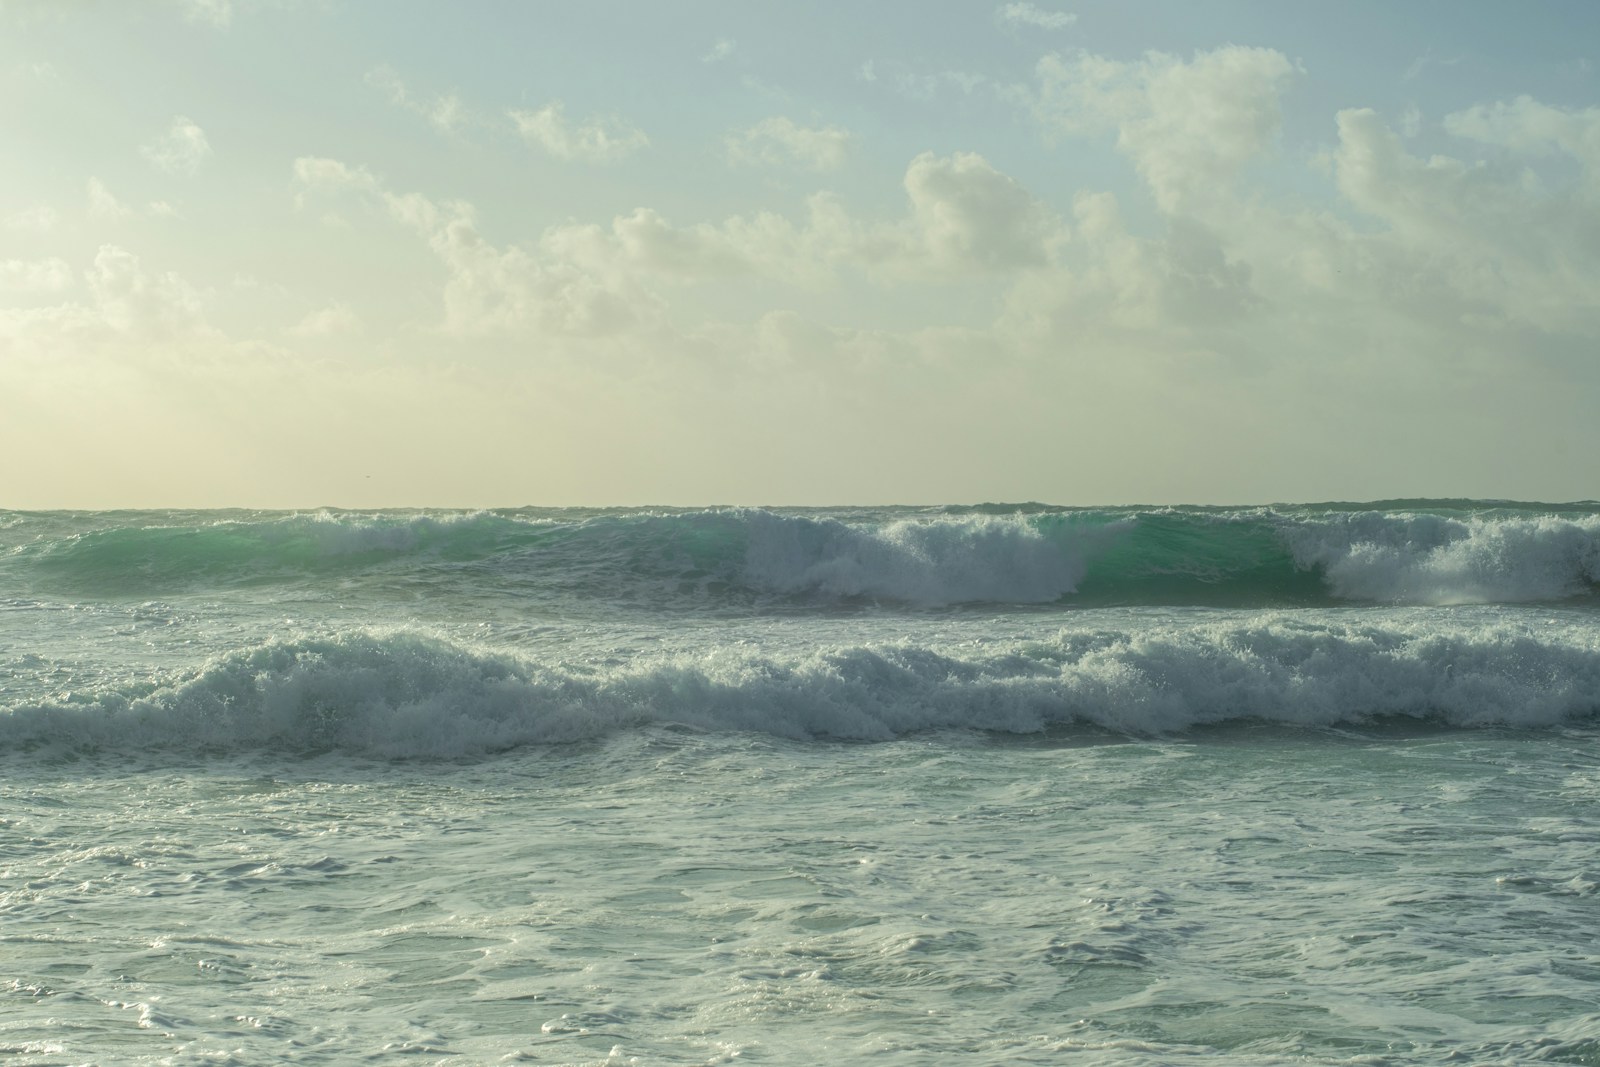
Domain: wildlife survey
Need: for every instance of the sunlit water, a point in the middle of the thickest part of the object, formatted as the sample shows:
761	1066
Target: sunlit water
453	805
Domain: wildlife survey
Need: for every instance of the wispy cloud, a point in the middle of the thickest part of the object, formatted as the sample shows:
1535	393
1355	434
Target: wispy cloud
597	139
35	275
180	150
103	204
779	140
332	321
444	113
1423	62
40	218
218	13
722	49
1026	14
39	70
915	85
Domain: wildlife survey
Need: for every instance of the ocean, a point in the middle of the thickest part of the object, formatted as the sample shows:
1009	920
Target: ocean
994	784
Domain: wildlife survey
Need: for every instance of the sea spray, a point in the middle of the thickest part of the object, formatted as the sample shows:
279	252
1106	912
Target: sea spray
1434	559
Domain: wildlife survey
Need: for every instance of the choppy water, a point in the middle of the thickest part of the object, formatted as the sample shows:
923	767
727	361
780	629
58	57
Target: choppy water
984	785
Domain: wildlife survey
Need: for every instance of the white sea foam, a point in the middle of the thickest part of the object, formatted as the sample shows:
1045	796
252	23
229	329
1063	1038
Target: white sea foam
930	562
1432	559
404	694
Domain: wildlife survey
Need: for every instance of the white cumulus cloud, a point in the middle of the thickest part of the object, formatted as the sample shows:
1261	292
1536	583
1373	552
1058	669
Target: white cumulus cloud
488	290
132	301
1490	238
1188	125
1526	125
965	218
970	216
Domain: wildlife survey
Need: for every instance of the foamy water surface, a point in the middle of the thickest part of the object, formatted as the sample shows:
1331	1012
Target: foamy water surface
986	785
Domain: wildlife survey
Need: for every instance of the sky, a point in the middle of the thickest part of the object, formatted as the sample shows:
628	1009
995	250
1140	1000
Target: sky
302	253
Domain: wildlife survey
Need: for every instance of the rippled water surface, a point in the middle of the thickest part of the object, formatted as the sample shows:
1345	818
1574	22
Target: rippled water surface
1242	894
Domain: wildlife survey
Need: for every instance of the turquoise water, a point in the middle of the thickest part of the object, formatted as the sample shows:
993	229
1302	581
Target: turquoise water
798	787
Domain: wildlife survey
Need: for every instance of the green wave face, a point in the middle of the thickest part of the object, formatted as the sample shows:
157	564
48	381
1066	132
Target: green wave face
1402	552
205	550
1185	559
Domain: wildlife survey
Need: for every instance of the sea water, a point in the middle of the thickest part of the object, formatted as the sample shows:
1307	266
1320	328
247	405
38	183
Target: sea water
1312	784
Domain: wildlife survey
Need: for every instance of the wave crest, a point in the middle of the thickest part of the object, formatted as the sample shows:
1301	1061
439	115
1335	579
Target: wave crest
949	561
1440	560
744	558
408	695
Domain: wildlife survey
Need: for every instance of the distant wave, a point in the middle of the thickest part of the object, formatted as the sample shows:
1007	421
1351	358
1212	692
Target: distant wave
406	695
202	549
916	558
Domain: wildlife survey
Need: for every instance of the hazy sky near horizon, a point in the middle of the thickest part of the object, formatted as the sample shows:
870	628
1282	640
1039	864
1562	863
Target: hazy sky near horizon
290	253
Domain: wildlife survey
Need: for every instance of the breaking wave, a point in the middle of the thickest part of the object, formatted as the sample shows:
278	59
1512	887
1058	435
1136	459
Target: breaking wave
401	694
918	558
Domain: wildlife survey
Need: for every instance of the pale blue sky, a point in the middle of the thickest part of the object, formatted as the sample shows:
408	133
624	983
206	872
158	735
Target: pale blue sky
303	252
